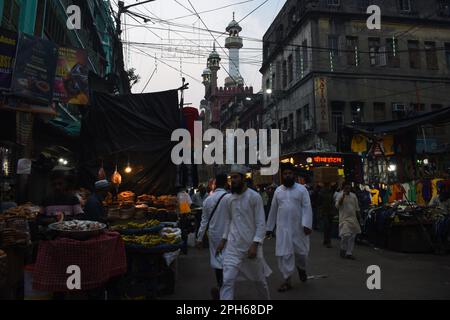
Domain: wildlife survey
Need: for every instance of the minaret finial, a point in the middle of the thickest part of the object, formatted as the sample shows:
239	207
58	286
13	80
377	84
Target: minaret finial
214	46
233	15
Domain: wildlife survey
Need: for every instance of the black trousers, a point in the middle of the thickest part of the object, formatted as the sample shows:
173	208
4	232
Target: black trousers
219	277
327	228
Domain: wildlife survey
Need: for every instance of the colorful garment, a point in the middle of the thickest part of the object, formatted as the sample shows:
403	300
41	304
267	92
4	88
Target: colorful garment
434	186
426	190
412	192
392	196
405	187
359	143
375	197
419	197
388	144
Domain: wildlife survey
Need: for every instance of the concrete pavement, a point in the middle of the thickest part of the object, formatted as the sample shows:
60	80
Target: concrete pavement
403	276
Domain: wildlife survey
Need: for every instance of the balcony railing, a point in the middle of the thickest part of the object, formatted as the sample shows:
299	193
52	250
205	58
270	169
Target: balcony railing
236	41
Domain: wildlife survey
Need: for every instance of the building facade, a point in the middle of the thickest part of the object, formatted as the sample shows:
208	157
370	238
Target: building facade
48	19
232	105
27	134
325	68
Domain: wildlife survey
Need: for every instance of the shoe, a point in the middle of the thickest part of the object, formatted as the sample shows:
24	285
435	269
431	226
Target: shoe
285	287
349	257
215	293
342	253
302	275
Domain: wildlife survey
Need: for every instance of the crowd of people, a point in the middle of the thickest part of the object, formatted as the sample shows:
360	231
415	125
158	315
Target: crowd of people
239	217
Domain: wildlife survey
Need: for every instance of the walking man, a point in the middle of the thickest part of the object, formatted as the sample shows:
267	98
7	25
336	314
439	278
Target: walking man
349	227
199	196
213	221
245	229
292	213
327	211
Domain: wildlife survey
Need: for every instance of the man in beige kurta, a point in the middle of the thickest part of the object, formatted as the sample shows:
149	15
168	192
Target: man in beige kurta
349	227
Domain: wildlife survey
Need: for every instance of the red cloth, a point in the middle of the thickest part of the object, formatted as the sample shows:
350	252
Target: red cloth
100	259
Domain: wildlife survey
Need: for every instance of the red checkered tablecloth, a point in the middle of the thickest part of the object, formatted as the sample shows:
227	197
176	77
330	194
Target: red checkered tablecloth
100	259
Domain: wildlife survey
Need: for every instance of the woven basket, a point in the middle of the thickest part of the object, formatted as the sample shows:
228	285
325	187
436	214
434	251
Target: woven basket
126	214
140	213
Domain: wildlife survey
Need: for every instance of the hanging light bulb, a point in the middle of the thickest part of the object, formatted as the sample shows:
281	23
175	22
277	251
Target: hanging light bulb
128	168
392	167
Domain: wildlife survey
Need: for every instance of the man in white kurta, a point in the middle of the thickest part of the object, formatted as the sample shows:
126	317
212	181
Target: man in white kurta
291	212
349	227
216	223
243	238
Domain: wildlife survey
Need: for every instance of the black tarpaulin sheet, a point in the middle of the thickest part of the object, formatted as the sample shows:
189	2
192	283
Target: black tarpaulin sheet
135	127
435	117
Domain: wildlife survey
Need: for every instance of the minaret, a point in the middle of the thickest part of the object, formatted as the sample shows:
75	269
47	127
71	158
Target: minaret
206	75
233	43
214	66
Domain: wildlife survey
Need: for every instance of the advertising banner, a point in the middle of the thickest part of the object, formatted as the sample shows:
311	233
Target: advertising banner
8	44
34	69
72	77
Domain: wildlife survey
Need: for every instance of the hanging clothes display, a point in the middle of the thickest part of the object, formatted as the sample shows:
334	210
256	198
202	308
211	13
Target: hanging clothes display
419	196
376	200
397	192
392	195
388	145
426	190
385	194
377	149
412	191
359	143
434	186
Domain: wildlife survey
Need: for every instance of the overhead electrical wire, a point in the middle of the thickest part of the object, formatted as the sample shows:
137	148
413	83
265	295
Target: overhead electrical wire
317	48
172	67
215	39
212	10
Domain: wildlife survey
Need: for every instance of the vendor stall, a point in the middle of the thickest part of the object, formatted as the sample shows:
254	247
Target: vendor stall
15	247
406	227
402	165
99	259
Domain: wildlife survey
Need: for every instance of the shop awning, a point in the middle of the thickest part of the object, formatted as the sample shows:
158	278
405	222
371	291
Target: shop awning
435	117
136	129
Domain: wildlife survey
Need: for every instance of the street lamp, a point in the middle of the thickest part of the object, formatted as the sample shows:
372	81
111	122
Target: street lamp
269	91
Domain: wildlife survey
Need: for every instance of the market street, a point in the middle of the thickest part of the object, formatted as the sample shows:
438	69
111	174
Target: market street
126	126
403	276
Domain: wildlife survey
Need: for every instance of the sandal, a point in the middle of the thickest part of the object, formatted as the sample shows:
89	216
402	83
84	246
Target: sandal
284	287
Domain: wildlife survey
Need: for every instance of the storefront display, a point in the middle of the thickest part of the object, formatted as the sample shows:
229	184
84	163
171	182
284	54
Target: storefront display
404	227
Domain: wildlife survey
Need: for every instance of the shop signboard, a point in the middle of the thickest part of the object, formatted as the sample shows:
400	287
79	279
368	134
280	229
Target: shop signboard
8	44
321	99
72	77
34	69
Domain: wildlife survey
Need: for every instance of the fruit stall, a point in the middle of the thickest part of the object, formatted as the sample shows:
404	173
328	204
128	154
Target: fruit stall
148	225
